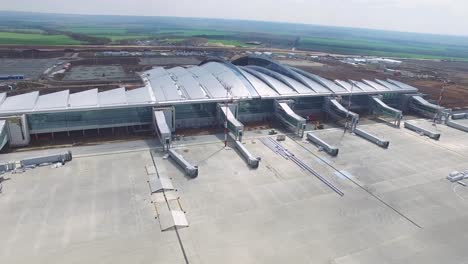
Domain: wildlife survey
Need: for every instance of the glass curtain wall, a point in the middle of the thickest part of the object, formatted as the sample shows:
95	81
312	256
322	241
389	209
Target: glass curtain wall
76	120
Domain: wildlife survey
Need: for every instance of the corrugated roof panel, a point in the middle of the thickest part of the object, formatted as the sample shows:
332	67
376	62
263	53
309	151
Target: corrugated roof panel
389	85
364	86
139	96
208	81
279	86
329	84
227	76
318	88
377	86
113	97
19	103
156	72
84	99
2	97
262	88
402	85
348	86
163	85
299	87
58	100
187	82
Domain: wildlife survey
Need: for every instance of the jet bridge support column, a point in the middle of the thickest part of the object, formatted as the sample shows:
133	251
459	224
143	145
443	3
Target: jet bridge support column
164	120
379	107
338	112
229	113
288	117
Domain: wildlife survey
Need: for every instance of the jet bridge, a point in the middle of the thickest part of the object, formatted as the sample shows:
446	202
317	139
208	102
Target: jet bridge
190	170
426	132
338	112
423	107
161	126
288	117
226	114
331	150
372	138
457	125
379	107
252	161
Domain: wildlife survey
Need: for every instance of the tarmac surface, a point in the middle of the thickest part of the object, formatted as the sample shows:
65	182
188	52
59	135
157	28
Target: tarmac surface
99	72
30	68
397	205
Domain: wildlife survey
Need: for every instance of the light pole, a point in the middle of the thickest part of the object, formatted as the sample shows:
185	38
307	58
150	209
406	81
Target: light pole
439	101
228	89
349	107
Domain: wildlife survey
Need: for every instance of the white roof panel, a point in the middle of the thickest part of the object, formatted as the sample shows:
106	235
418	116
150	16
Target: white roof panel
279	86
2	97
113	97
227	76
329	84
20	102
139	96
348	86
262	88
389	85
317	87
208	82
187	82
163	85
363	86
299	87
84	99
58	100
402	85
375	85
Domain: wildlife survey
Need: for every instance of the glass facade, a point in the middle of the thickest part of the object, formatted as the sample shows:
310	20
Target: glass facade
256	107
3	137
93	118
315	103
195	111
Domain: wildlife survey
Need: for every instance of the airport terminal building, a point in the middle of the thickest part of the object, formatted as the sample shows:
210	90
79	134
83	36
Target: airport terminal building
245	90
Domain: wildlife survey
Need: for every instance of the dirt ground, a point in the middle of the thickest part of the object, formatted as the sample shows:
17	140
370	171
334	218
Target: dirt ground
454	96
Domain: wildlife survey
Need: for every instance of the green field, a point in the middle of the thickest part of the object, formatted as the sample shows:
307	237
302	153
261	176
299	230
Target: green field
228	42
193	32
35	39
26	28
381	48
116	34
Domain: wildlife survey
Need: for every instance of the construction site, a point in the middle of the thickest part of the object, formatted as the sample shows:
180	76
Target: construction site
243	161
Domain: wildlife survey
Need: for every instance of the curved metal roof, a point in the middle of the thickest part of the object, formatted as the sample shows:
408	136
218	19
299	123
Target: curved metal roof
207	82
272	65
236	71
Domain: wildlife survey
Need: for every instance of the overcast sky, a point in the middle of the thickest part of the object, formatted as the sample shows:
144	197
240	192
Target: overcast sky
427	16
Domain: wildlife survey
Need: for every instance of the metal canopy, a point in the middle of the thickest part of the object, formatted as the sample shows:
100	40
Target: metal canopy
262	88
84	99
402	85
227	77
113	97
188	83
58	100
139	96
376	85
19	102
